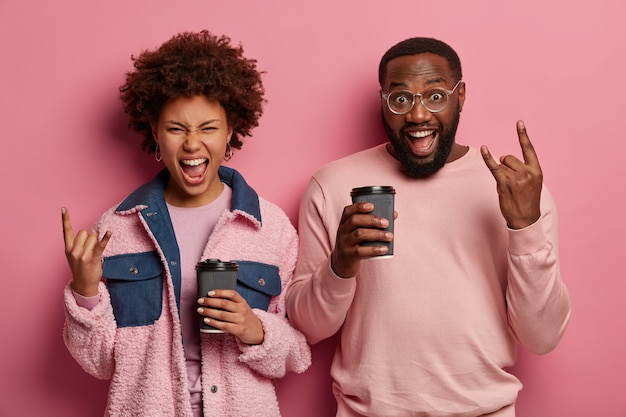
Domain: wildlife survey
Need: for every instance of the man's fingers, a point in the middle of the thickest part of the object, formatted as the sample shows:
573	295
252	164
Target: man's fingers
491	163
355	209
528	150
512	162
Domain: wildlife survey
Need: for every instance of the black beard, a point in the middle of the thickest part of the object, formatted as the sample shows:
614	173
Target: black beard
415	168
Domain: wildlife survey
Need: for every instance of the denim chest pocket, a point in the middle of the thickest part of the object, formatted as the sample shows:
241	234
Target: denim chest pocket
135	283
258	283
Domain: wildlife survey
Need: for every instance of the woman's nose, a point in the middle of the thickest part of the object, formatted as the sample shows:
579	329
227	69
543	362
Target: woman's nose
192	140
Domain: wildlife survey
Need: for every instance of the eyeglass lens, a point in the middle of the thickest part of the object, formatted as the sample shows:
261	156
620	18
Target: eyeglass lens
402	101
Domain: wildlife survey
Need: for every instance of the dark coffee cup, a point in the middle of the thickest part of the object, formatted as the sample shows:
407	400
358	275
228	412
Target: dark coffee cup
383	198
213	274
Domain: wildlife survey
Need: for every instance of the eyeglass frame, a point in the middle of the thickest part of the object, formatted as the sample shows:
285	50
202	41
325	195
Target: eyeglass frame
385	96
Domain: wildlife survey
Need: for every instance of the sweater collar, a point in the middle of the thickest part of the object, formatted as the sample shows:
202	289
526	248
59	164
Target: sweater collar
245	199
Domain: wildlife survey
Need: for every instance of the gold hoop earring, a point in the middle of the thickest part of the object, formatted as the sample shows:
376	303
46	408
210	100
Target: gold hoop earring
157	154
229	152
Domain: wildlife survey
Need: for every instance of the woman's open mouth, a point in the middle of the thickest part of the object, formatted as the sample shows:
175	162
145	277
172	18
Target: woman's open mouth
194	170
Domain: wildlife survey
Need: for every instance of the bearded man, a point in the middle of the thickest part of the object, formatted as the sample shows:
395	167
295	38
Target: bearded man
432	330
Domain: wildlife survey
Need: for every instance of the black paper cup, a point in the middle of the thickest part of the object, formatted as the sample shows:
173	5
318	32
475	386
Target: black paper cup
383	198
213	274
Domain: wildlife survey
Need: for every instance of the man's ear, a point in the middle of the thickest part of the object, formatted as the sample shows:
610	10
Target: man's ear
461	95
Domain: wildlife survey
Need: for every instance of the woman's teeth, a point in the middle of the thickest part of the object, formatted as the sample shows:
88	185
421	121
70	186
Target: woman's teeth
193	162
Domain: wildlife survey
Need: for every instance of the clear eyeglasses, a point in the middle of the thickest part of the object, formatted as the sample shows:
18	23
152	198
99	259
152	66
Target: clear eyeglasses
435	100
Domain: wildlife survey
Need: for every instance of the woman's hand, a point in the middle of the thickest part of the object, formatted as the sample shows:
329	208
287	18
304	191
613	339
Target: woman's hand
227	310
84	255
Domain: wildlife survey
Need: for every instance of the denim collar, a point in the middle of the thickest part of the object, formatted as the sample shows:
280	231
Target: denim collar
151	194
149	200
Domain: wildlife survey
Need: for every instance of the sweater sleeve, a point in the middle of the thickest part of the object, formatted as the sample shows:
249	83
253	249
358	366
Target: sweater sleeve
318	300
284	349
90	334
538	302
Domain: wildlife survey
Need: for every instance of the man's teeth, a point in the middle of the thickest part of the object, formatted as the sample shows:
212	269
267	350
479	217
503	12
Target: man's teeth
193	162
421	134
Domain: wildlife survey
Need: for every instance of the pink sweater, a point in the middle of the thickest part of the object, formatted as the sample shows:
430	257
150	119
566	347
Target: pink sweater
146	363
432	330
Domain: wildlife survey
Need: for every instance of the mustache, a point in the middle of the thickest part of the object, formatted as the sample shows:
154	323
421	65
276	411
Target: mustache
412	167
413	126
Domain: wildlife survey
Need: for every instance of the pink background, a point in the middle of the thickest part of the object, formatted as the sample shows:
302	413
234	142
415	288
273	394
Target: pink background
559	65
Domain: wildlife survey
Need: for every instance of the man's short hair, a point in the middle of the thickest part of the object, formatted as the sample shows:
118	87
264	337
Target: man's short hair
420	45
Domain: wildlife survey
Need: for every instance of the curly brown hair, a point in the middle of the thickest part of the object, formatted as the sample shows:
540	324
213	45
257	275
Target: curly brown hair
191	64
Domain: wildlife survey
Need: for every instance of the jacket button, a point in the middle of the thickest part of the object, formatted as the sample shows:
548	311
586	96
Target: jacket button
133	271
213	389
261	282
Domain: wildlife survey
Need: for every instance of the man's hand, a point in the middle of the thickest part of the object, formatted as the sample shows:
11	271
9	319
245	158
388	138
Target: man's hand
518	182
358	225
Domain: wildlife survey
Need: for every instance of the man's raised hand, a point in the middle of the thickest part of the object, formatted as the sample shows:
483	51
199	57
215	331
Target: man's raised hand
518	182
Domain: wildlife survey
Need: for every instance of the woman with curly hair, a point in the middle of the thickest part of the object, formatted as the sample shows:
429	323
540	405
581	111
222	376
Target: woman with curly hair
132	306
